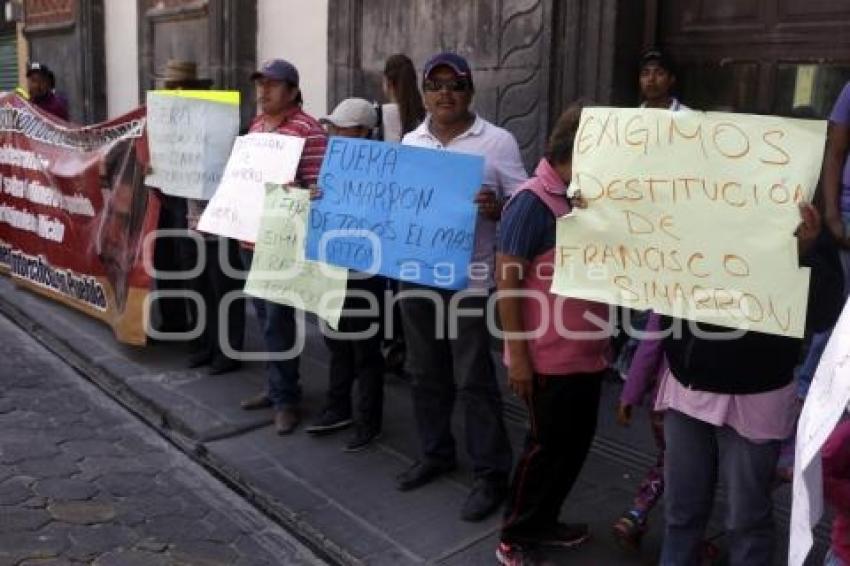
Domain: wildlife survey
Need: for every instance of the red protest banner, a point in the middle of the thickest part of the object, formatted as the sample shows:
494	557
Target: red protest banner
74	212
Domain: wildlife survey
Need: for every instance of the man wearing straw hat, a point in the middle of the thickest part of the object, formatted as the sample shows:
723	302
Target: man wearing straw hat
213	283
175	254
180	74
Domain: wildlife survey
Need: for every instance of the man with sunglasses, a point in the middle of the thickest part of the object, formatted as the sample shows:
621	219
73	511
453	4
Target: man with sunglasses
436	361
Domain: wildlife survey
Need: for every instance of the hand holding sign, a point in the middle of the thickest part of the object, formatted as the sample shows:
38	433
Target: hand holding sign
809	228
488	203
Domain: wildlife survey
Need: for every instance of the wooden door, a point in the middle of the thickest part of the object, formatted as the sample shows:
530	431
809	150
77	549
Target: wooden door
763	56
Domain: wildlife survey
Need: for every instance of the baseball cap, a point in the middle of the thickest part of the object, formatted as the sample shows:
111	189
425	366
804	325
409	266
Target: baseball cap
452	60
352	112
655	55
36	67
277	70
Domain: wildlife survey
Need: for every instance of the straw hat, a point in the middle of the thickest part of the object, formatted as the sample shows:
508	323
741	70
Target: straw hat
181	72
177	70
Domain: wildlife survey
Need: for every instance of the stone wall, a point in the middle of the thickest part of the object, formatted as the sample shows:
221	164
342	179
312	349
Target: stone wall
529	57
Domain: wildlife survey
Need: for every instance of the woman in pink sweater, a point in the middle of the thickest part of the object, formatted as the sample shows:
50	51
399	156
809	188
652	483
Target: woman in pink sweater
555	354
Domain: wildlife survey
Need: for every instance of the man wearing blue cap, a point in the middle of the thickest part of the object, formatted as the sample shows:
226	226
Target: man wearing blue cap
435	361
279	98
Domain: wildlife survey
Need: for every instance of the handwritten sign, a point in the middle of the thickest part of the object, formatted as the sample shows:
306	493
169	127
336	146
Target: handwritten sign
826	402
691	214
237	205
190	134
403	212
279	271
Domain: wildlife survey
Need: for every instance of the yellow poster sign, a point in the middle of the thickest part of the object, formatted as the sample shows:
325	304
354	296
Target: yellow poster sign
691	214
230	97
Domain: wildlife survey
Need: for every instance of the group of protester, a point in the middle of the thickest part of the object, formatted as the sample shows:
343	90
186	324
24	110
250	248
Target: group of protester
720	409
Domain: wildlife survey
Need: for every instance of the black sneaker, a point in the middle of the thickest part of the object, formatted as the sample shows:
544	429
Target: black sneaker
328	422
199	359
484	499
362	439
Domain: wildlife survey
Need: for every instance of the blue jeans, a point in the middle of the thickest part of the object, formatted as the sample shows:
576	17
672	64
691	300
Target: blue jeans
280	331
698	455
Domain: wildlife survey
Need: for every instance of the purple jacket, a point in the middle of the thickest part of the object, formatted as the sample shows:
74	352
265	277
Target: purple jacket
648	364
53	103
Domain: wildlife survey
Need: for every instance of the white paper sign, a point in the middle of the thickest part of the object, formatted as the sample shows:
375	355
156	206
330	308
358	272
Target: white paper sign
190	140
237	206
826	402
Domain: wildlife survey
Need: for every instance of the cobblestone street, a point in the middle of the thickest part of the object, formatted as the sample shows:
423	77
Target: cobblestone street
82	481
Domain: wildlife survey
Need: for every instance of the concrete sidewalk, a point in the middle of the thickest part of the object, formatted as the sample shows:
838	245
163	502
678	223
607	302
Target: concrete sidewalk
343	505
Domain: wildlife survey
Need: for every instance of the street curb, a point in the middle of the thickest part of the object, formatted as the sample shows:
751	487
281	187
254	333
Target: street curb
170	430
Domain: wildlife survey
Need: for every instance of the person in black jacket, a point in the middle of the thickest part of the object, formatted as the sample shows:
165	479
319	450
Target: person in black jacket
729	405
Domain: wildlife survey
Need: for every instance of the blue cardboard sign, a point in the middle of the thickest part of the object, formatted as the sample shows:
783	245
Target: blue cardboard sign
400	211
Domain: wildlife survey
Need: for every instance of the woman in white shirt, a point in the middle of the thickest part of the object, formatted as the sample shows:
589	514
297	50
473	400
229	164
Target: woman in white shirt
405	110
402	114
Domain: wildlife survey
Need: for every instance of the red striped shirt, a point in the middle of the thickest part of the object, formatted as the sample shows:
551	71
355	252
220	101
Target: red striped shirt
299	124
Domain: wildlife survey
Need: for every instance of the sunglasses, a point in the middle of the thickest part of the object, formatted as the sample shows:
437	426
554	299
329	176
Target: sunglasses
454	85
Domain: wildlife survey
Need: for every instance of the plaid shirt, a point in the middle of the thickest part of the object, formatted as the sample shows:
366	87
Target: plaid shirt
299	124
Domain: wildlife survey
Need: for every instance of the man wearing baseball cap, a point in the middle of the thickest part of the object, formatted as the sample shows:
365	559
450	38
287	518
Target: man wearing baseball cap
40	86
352	118
279	98
657	79
437	363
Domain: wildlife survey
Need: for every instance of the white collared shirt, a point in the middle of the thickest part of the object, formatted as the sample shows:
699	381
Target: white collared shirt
503	173
675	105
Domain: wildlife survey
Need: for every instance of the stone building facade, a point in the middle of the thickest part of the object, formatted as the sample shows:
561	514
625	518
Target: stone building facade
530	57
